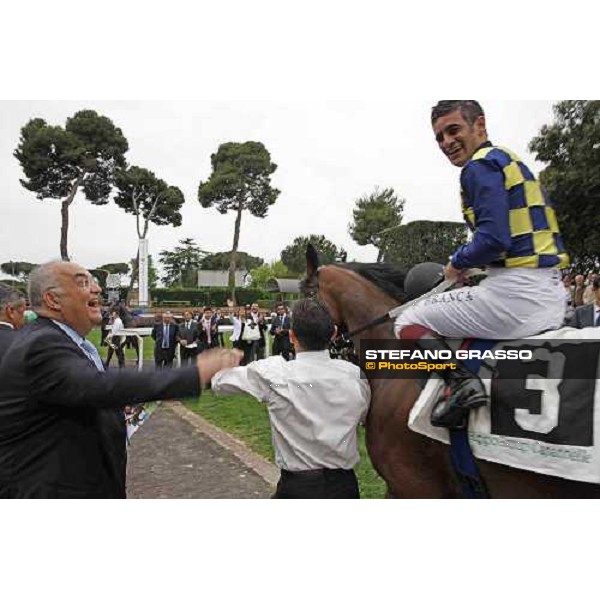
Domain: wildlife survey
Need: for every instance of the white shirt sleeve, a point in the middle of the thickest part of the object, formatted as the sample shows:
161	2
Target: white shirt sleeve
242	380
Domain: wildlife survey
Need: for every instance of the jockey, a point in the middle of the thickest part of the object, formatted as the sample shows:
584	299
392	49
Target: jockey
515	235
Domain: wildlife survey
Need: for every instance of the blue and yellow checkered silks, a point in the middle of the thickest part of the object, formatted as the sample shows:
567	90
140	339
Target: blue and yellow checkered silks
535	236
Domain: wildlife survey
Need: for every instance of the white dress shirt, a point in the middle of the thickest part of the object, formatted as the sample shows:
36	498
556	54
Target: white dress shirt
315	405
237	328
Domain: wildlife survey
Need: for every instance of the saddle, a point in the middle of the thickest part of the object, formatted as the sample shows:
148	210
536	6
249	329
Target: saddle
542	413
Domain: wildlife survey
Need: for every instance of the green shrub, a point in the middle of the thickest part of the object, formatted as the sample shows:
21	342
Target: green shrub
216	296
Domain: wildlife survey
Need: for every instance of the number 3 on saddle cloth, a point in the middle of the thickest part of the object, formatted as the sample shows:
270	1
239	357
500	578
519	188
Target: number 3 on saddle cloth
541	416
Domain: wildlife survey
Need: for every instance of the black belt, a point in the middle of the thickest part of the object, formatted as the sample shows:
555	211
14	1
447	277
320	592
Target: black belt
315	473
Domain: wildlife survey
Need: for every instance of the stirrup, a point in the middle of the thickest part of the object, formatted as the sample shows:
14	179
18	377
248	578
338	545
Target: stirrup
453	413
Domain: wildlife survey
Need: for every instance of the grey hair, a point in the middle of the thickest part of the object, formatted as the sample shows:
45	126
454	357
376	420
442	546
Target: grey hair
9	295
41	279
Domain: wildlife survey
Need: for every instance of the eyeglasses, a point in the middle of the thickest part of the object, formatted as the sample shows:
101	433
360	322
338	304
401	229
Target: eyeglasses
85	282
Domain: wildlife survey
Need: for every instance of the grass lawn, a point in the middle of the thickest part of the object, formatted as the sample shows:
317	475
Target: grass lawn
94	337
246	419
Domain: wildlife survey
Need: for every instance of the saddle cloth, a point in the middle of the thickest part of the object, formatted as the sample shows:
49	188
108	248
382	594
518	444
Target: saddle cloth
544	414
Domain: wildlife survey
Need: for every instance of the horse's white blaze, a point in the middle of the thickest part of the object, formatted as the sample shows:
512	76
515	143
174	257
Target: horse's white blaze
547	420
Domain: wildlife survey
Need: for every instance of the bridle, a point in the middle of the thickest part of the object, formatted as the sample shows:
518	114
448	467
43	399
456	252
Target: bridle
343	341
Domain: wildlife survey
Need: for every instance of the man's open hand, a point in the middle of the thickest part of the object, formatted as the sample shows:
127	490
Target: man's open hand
210	362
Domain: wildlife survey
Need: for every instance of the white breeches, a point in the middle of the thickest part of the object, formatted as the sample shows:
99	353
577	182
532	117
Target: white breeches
508	304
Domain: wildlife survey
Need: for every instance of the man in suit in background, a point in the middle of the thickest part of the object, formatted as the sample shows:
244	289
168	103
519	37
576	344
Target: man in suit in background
62	428
588	315
188	336
280	330
207	330
165	336
12	316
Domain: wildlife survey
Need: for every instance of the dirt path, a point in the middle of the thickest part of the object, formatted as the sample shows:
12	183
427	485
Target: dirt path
176	454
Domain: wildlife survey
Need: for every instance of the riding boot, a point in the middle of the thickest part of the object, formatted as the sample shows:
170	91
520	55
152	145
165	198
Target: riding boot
464	390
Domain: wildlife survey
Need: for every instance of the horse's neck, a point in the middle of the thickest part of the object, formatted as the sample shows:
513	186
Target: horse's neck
357	314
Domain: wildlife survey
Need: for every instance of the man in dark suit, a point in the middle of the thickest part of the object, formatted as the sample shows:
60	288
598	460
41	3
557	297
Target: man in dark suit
12	316
188	338
165	336
207	330
62	428
280	330
588	315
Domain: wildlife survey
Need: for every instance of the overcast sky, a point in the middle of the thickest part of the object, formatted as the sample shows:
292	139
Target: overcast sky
328	155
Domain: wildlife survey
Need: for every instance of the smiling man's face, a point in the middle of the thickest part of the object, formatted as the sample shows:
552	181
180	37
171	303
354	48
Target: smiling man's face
76	299
457	139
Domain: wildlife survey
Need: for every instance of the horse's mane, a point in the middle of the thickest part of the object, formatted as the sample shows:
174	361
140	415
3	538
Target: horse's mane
388	278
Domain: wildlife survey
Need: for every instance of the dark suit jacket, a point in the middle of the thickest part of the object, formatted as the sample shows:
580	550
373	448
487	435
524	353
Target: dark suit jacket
189	334
157	335
583	317
7	336
281	341
203	336
62	433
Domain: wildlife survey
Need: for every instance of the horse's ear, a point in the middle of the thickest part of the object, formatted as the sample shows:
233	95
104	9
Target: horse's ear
312	261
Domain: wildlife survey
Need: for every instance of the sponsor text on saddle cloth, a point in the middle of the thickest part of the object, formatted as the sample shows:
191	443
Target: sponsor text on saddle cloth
544	414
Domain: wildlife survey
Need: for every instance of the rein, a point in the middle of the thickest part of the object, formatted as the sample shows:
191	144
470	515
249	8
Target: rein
344	340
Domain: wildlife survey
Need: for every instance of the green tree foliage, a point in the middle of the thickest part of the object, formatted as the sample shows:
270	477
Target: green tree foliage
15	285
149	198
240	180
294	255
181	264
374	215
100	275
424	241
571	149
220	261
119	268
57	161
261	274
18	269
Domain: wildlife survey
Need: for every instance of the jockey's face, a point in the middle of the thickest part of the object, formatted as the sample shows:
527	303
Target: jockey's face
457	139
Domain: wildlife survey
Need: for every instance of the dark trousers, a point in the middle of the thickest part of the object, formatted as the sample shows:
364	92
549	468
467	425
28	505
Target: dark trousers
118	350
283	346
163	357
318	484
188	355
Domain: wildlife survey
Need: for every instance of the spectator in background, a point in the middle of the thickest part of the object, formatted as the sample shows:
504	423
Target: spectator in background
280	330
569	291
165	336
115	341
12	316
236	321
588	315
188	338
259	318
129	321
104	325
589	296
208	330
249	336
219	320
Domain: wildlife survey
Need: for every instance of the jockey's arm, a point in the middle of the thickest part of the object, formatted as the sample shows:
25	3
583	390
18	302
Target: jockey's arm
484	184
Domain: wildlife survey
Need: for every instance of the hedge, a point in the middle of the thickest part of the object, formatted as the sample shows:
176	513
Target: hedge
216	296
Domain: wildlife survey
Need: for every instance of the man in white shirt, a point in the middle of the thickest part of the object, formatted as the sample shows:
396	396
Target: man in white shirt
315	406
115	341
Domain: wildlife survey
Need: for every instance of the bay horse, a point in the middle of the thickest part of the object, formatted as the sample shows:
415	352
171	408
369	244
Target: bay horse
411	464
